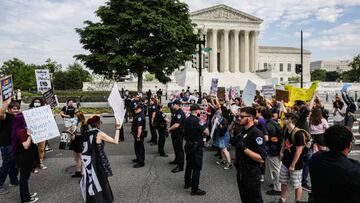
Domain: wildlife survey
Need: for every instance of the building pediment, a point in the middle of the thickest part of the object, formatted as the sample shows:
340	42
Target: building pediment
224	13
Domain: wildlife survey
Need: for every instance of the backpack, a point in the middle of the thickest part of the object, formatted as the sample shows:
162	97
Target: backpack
307	136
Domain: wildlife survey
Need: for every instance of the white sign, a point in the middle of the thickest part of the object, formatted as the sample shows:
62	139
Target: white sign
214	86
268	91
249	93
42	123
42	80
193	98
117	104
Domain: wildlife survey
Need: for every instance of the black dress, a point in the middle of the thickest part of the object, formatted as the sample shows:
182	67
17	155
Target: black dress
94	184
77	144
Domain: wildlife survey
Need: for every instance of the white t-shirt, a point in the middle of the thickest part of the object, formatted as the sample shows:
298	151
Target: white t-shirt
319	129
338	117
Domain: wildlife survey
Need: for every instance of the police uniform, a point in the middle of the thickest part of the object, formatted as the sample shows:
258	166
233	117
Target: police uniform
194	151
151	109
139	120
177	137
248	170
160	124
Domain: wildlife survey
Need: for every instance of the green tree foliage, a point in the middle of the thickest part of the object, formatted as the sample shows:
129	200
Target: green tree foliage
149	77
51	65
352	75
137	36
318	75
84	74
23	74
332	76
72	78
294	79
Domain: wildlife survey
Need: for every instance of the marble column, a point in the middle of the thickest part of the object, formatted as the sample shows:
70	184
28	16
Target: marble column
236	51
213	64
246	51
256	55
226	51
242	52
252	52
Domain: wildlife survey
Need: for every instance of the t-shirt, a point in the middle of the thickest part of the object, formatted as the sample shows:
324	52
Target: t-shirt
5	130
290	149
303	123
334	178
193	129
69	110
319	129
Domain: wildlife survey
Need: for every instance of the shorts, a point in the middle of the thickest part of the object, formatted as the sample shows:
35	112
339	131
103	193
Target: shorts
318	139
293	177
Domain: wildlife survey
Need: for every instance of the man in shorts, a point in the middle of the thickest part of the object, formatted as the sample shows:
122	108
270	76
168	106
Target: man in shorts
291	155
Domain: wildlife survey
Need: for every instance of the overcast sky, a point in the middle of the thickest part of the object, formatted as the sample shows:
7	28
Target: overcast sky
34	30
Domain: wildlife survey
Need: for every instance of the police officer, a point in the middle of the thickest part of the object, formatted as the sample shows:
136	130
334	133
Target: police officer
194	133
160	124
152	113
138	130
250	155
177	136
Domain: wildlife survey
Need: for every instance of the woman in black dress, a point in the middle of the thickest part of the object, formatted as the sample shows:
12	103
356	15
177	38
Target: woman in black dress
94	184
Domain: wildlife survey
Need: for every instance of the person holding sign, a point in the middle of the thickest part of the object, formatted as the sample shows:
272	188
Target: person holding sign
26	156
94	184
68	113
8	163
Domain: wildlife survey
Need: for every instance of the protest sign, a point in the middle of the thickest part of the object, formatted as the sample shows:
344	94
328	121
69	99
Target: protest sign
7	88
117	104
214	87
42	123
234	92
192	97
268	91
282	95
42	80
221	93
296	93
203	112
249	93
50	98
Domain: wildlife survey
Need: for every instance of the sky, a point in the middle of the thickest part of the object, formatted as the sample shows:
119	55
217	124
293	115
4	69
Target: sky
35	30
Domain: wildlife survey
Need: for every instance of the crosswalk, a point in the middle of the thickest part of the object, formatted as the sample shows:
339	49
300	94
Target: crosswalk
355	128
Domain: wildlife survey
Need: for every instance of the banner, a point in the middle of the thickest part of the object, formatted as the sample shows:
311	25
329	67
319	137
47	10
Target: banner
42	80
117	104
296	93
268	91
7	88
249	93
50	98
42	123
282	95
214	87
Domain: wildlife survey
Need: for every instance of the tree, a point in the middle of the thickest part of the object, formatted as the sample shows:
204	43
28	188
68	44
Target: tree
149	77
352	75
84	74
294	79
51	65
318	75
332	76
135	36
23	74
71	79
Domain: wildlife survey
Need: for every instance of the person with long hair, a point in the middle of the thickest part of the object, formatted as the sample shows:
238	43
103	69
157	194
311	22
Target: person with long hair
318	125
339	112
78	133
94	184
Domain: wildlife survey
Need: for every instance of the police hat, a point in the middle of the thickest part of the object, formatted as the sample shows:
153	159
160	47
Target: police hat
299	102
139	106
177	102
292	115
194	107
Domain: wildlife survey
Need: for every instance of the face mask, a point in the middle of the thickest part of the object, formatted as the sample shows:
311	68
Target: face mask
37	104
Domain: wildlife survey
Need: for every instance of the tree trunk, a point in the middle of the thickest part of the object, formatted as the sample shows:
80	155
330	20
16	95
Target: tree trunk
140	81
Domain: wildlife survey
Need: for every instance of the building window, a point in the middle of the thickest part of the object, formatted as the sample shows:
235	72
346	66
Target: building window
289	67
281	67
281	79
265	66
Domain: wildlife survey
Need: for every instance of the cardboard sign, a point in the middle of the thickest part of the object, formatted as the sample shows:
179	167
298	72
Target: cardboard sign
7	88
214	87
221	93
203	112
268	91
249	93
43	80
282	95
50	98
117	104
42	123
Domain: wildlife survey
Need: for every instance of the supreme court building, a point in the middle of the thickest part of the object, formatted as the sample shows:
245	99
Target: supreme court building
236	55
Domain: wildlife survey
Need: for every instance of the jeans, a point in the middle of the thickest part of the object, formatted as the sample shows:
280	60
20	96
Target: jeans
24	186
306	167
8	166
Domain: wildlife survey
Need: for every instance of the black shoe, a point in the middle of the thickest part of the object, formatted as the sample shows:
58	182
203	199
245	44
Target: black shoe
271	185
138	165
31	200
273	192
177	169
77	175
134	160
198	192
173	162
153	144
306	187
164	155
187	186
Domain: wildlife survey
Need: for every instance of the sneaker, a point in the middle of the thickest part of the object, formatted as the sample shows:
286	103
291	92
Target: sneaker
35	171
43	167
48	149
273	192
33	199
262	179
198	192
306	187
32	195
221	163
228	166
3	191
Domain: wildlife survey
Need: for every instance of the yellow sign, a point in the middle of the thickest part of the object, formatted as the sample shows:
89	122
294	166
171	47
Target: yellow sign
296	93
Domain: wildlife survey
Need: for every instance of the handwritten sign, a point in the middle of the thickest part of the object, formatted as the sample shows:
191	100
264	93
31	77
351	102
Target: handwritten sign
282	95
203	112
214	86
42	80
7	88
42	123
249	93
221	93
50	98
117	104
268	91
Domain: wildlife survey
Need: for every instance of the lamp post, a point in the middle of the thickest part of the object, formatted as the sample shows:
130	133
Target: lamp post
200	43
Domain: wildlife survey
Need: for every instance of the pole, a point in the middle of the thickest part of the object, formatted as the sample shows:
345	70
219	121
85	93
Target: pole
302	62
201	42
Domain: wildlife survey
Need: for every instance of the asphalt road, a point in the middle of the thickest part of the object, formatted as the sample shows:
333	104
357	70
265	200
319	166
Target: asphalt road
152	183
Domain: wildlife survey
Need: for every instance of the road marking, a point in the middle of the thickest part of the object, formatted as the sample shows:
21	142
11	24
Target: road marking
354	152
